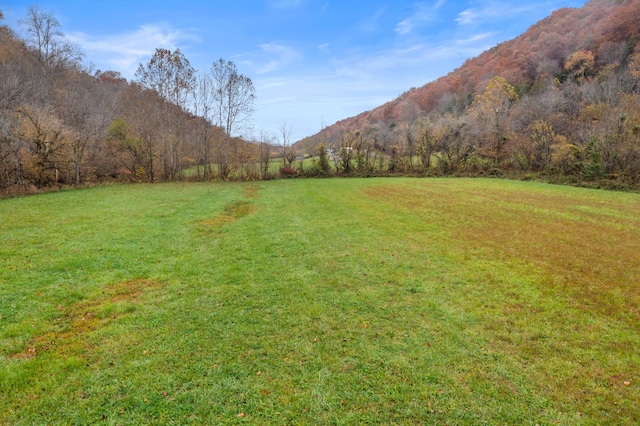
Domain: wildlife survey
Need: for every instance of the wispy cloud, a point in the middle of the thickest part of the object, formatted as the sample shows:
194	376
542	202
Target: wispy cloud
372	23
358	82
423	14
125	51
492	10
324	48
357	78
280	56
420	57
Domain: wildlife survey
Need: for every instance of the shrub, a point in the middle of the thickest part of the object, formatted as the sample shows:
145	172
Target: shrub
287	171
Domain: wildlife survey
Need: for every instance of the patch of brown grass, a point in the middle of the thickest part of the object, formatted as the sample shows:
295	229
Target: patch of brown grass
230	214
588	246
79	319
252	191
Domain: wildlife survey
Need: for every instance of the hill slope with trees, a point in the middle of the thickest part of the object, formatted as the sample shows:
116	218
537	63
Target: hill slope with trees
562	99
64	124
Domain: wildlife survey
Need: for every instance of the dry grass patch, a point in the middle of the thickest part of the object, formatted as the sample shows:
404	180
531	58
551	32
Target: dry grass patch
79	319
252	191
588	247
230	214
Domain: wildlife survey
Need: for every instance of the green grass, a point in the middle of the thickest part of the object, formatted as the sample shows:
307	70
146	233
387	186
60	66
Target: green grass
274	169
337	301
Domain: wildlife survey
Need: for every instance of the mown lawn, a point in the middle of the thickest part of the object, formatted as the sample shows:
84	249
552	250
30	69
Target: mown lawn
336	301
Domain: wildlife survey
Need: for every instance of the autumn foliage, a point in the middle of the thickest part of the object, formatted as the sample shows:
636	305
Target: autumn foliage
61	124
561	100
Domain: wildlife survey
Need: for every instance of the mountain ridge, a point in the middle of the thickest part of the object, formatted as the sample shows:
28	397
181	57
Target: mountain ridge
531	58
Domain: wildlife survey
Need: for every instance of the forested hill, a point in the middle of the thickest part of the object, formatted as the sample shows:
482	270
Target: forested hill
601	27
62	123
574	71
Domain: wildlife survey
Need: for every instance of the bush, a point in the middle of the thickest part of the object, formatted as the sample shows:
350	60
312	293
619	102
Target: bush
18	190
287	171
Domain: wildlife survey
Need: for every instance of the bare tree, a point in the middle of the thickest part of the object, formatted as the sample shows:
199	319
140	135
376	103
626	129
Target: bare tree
47	43
288	151
13	91
349	145
172	76
233	99
203	106
143	111
410	131
86	111
427	144
47	148
454	141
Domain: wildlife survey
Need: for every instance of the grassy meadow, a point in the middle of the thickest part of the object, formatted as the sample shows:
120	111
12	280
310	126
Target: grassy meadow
335	301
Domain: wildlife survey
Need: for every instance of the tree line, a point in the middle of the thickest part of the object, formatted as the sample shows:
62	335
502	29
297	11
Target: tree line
64	124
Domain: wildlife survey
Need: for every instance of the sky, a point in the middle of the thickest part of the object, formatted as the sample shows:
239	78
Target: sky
312	62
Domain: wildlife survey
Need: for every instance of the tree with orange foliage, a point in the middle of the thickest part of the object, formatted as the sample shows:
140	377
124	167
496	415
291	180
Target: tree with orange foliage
580	64
490	110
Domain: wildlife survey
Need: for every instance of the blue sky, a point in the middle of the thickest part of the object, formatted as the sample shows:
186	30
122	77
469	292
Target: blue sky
313	62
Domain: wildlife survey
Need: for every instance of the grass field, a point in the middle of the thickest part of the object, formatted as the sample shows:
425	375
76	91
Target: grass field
335	301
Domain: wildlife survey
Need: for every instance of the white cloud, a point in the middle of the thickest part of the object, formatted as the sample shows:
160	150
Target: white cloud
372	23
418	57
280	56
474	38
423	14
492	10
404	27
123	52
324	48
357	83
466	17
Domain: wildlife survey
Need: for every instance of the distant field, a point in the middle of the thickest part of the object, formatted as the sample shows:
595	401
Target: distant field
335	301
274	169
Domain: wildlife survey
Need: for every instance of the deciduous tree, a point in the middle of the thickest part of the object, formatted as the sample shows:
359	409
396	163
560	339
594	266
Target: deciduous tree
47	149
580	64
233	103
171	75
288	152
47	43
491	111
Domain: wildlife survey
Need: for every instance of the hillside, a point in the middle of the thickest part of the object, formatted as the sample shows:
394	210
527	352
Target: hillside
574	53
524	61
63	123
